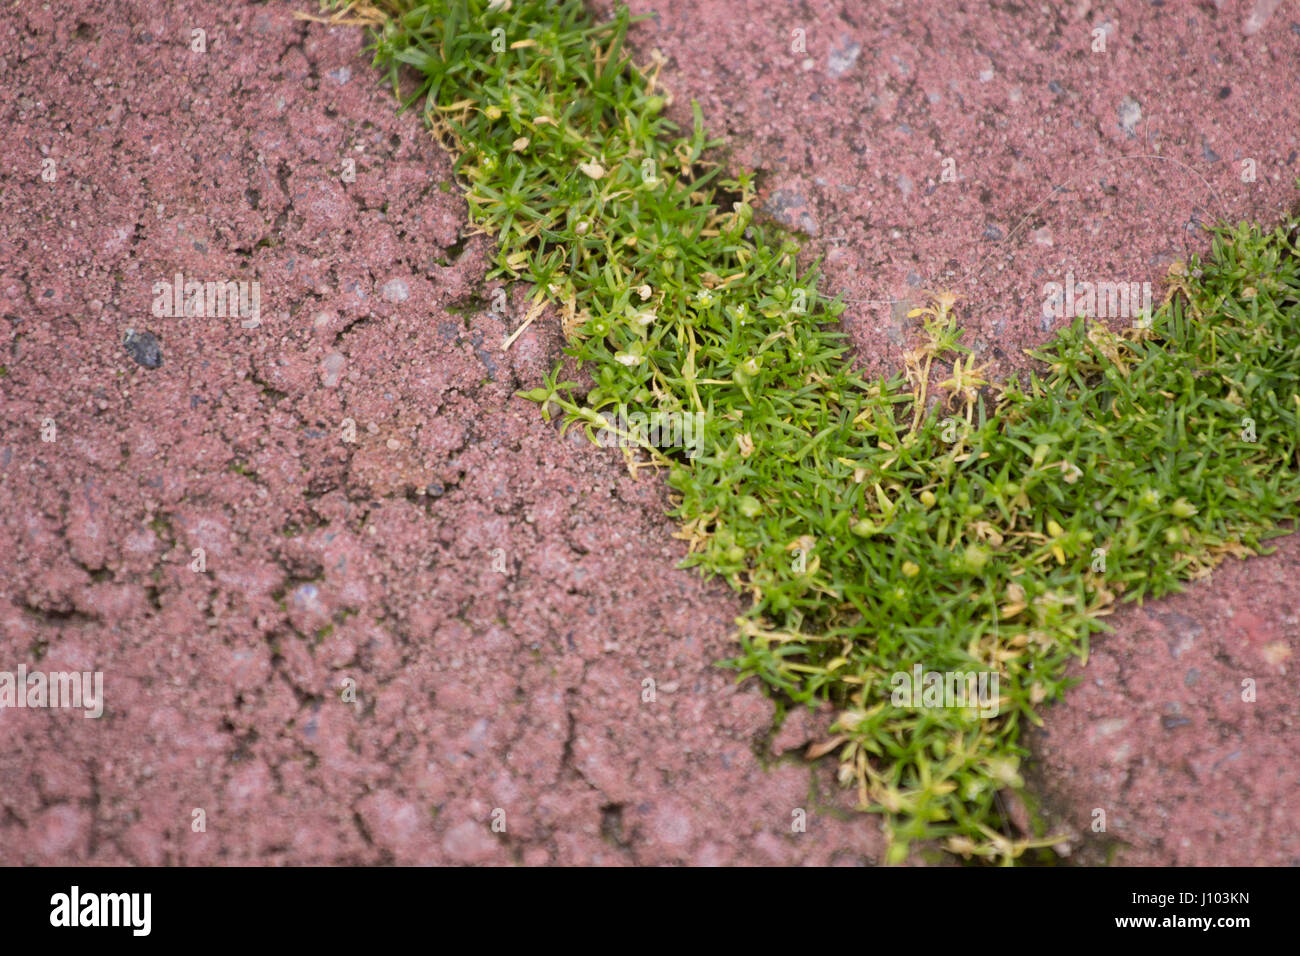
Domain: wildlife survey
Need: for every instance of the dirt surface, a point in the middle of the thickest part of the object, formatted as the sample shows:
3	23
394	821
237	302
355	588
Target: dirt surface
498	596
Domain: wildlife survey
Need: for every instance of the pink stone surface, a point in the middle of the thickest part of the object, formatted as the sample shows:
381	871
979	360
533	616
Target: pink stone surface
516	697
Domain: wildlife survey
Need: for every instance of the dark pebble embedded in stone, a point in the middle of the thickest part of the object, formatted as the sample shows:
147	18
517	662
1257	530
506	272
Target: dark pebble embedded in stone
145	348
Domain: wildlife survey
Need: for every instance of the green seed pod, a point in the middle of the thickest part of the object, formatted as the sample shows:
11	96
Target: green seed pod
975	558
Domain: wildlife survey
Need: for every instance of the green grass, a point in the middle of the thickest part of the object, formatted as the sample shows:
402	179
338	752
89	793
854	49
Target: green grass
930	518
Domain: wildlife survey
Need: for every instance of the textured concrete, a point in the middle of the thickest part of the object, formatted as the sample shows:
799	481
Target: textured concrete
375	561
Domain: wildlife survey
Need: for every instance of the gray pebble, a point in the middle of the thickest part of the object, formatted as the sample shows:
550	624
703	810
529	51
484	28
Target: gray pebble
145	348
